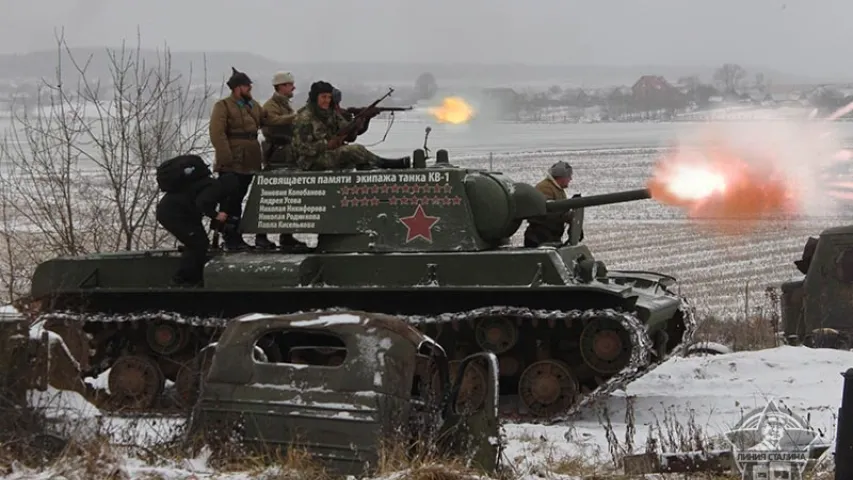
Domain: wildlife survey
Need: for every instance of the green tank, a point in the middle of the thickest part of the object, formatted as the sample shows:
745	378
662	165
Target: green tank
430	243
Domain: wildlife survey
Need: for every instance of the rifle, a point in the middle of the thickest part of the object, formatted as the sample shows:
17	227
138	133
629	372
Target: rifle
349	128
357	110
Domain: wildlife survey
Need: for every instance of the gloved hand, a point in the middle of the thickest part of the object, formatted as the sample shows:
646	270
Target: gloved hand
334	143
229	225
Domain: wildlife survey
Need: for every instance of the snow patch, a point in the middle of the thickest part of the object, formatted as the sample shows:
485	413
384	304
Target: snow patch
251	317
68	414
37	331
328	320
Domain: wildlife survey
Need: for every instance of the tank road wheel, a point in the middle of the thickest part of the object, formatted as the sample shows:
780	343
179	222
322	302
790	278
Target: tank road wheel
472	392
189	378
606	345
496	335
165	339
135	382
548	388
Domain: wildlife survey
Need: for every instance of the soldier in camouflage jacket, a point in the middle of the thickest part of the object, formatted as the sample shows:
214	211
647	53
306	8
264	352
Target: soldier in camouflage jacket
316	145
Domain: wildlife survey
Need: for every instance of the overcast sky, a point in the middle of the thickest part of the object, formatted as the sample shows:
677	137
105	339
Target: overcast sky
798	36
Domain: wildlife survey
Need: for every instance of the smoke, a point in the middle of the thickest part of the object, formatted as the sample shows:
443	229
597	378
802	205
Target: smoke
790	154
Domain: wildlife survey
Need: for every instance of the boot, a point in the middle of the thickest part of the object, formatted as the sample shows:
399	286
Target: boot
396	163
235	243
290	244
263	243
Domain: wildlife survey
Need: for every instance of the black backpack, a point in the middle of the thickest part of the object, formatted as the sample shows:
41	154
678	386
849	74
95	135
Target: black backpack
175	174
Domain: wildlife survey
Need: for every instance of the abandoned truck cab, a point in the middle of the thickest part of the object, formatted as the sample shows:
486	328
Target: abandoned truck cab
338	385
816	309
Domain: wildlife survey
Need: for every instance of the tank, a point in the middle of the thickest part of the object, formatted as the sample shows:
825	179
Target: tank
429	243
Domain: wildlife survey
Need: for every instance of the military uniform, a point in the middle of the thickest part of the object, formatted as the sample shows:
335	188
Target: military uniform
234	126
314	128
278	132
180	213
347	115
278	150
549	228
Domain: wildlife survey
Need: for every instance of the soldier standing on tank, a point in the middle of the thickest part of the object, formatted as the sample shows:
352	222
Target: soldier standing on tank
315	142
181	212
234	125
549	228
278	146
349	114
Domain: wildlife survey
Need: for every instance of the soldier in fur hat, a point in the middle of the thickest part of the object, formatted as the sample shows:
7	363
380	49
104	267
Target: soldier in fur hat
315	140
550	228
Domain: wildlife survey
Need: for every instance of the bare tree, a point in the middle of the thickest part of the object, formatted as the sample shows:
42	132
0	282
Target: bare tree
425	86
690	81
729	77
77	168
759	81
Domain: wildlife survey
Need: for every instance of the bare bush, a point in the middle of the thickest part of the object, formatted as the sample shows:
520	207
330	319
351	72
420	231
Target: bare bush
740	334
77	165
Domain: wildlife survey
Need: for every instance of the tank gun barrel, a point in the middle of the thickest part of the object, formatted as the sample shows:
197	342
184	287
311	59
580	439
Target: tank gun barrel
596	200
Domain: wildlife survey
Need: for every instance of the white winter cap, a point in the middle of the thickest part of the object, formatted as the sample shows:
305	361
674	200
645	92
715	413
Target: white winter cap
282	77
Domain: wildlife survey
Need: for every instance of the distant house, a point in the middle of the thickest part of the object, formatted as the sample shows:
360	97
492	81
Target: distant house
503	103
704	95
653	92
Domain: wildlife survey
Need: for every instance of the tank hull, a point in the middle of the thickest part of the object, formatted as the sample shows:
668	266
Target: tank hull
544	323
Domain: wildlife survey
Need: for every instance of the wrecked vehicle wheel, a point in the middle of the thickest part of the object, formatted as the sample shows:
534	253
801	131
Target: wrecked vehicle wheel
472	393
189	378
548	388
135	381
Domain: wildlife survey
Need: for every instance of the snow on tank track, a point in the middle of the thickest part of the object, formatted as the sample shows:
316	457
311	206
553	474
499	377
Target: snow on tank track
642	360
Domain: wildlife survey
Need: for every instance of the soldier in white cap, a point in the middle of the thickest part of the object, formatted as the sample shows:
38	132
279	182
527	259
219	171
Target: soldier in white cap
277	146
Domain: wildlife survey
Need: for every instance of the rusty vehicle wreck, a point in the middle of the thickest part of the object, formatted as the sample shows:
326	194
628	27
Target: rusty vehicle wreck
816	309
343	386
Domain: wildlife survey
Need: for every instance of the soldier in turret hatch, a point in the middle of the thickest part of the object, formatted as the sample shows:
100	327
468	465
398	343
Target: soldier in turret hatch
549	228
278	146
315	140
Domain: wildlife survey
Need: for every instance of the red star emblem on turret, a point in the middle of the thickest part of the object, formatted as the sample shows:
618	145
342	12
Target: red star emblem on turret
419	224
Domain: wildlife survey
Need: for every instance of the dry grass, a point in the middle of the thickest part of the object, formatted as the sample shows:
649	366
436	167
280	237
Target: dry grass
740	334
669	433
756	330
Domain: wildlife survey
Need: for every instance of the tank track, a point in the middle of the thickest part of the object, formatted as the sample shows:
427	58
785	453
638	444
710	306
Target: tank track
642	360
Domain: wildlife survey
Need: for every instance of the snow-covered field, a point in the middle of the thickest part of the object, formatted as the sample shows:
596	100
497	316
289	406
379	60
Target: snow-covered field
712	390
714	271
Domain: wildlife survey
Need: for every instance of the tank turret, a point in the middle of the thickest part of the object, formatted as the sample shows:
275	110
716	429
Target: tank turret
427	243
441	208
